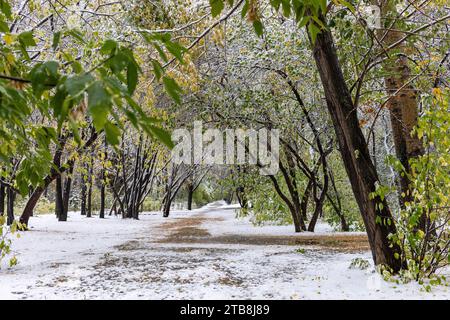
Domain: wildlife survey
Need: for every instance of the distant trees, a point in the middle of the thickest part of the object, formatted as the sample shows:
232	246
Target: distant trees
133	175
179	175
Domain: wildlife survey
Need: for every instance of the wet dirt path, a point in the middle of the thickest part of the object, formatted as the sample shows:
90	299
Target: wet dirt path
190	230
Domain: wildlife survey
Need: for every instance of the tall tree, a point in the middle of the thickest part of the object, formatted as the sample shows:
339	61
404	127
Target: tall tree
361	171
2	198
403	99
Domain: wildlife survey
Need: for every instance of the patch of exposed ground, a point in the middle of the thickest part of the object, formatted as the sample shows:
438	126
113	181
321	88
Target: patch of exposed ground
189	230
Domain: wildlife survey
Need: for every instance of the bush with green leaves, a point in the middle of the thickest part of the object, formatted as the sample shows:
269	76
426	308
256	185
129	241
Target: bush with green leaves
201	196
265	205
6	235
424	224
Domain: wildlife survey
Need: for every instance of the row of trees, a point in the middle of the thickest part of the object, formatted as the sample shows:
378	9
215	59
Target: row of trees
345	96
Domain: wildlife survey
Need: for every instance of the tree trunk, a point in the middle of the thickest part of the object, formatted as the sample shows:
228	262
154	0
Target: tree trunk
54	173
318	201
10	206
59	202
305	200
294	213
315	216
289	178
2	199
166	208
66	194
190	188
89	203
402	105
102	201
83	195
355	154
89	192
242	199
103	182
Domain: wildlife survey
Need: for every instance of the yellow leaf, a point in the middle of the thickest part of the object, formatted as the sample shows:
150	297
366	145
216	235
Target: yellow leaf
8	38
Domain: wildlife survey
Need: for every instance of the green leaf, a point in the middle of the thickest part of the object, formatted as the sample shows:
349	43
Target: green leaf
162	135
99	104
43	76
77	67
118	62
5	8
56	39
75	130
161	52
112	133
176	49
313	31
348	5
78	84
26	38
157	69
323	5
76	34
216	7
319	22
108	47
132	77
172	89
303	21
245	8
286	6
275	4
3	26
257	25
52	67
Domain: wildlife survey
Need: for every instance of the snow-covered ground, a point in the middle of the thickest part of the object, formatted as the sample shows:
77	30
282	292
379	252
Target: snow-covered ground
202	254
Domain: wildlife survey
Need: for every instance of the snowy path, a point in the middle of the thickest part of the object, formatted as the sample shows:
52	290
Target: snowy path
203	254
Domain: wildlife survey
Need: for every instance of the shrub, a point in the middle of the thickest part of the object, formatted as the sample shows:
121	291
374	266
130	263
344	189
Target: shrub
6	234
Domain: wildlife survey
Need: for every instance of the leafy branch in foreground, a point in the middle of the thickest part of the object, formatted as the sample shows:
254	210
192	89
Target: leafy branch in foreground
64	96
6	233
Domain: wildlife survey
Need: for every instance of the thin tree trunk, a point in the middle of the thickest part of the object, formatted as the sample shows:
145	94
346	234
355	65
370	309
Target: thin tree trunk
190	189
66	194
83	194
319	201
242	199
89	191
338	205
290	205
10	206
103	184
2	199
59	206
89	202
102	201
54	173
289	178
305	199
166	208
59	202
355	154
